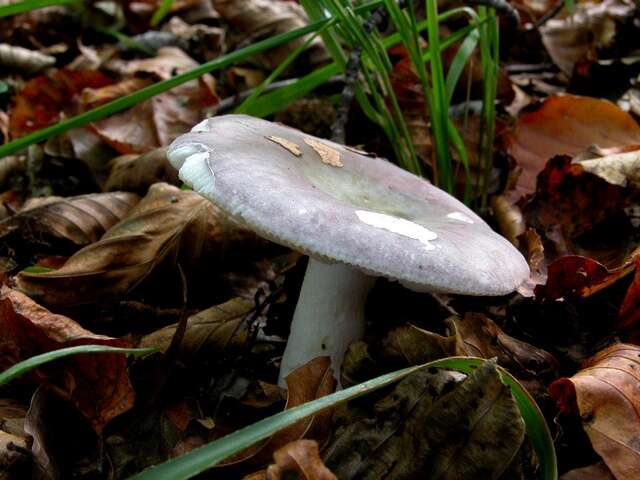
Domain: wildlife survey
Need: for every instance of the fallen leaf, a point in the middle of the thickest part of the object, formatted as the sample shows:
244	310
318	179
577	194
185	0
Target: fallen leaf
80	220
605	393
622	169
566	125
429	426
213	332
168	222
598	471
286	144
43	99
328	155
157	121
136	173
97	383
300	458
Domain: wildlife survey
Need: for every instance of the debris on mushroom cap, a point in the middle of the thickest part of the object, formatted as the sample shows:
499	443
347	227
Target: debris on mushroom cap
367	213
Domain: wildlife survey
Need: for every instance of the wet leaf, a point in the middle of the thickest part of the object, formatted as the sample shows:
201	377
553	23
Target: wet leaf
43	99
567	125
98	384
80	220
605	393
430	428
168	222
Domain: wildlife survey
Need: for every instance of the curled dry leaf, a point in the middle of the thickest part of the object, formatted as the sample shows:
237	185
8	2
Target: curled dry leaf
97	383
566	125
622	169
264	18
424	428
605	393
43	99
23	59
168	222
300	458
136	173
210	333
80	220
159	120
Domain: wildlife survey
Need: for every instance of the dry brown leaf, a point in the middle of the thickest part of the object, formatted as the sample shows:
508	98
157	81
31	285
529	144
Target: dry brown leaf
567	125
211	332
81	220
97	383
94	97
301	458
598	471
286	144
167	222
136	173
606	395
159	120
263	18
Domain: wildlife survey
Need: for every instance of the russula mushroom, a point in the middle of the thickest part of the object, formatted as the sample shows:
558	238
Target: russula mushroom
356	216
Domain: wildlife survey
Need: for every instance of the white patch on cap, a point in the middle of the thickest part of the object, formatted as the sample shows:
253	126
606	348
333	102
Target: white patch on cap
178	155
399	226
460	217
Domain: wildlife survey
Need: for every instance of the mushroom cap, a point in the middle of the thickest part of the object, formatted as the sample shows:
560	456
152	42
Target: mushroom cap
337	204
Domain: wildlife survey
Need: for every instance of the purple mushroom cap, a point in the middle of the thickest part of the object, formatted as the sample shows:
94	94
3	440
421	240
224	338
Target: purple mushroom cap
337	204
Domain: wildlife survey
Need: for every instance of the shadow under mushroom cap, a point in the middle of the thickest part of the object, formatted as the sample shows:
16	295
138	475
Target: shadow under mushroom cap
333	203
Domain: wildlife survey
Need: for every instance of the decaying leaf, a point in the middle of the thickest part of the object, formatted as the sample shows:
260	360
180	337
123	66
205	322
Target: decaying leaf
598	471
168	222
430	427
97	383
211	332
136	173
23	59
300	458
327	154
605	393
567	125
80	220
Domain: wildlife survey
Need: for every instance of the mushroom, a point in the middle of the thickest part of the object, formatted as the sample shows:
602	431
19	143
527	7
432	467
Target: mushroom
357	217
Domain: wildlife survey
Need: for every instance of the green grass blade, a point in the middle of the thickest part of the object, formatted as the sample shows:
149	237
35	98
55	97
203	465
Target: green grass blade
34	362
459	61
202	458
28	5
161	12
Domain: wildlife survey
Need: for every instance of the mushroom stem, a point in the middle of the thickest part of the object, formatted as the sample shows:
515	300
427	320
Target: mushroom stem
329	315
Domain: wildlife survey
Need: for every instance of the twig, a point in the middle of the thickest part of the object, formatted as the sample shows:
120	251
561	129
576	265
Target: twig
550	14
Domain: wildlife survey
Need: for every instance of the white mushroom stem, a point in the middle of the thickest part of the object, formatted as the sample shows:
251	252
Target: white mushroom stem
329	316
